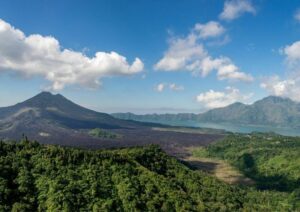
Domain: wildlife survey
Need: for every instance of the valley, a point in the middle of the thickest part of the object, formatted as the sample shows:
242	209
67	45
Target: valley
238	171
149	106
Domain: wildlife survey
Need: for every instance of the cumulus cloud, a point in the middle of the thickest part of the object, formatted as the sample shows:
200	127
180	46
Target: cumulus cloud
292	53
216	99
188	54
235	8
288	86
37	55
279	87
182	54
172	86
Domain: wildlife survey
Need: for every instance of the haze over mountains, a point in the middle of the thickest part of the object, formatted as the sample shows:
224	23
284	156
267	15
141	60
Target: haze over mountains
270	111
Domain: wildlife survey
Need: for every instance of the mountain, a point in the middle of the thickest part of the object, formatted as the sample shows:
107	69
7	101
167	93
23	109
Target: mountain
63	112
46	115
270	111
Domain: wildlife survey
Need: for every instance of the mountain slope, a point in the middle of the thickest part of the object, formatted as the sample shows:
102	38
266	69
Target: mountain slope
270	111
54	114
48	106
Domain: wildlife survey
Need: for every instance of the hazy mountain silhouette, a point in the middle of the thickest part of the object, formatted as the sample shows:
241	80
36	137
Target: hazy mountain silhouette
270	111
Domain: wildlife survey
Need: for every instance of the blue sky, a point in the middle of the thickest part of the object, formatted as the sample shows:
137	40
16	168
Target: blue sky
181	56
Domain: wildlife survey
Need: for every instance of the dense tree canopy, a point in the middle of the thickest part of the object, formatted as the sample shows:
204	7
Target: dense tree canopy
36	177
272	160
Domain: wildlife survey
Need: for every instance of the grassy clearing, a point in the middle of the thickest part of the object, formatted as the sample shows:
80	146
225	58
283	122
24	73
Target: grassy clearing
218	168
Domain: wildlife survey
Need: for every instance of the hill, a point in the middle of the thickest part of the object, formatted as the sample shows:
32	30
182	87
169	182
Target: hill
38	177
270	111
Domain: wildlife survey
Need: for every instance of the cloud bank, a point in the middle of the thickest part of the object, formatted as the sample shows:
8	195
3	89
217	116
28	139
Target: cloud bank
37	55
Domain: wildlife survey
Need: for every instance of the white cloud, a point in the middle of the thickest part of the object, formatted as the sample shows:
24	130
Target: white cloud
279	87
235	8
210	29
288	86
297	15
172	86
182	53
175	87
231	71
292	53
160	87
189	54
217	99
37	55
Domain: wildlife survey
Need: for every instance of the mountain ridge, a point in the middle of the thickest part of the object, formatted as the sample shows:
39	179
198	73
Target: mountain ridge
269	111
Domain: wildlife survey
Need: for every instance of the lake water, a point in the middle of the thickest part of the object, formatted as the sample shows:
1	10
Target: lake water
238	128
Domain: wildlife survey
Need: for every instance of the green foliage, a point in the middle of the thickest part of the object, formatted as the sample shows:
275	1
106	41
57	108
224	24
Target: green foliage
37	177
273	161
100	133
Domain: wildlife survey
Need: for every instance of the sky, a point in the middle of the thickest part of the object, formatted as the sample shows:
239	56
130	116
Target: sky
146	56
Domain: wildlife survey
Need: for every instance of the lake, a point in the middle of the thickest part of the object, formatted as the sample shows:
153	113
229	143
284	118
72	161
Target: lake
236	128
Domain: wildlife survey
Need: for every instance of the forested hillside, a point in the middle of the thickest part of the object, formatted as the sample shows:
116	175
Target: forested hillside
271	160
36	177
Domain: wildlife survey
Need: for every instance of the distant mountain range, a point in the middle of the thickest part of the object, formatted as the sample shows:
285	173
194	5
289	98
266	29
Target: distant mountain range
270	111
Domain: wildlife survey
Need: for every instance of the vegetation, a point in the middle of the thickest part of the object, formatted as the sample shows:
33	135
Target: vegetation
36	177
100	133
218	168
271	160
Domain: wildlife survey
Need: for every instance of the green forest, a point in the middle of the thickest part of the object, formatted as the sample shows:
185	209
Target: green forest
35	177
271	160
